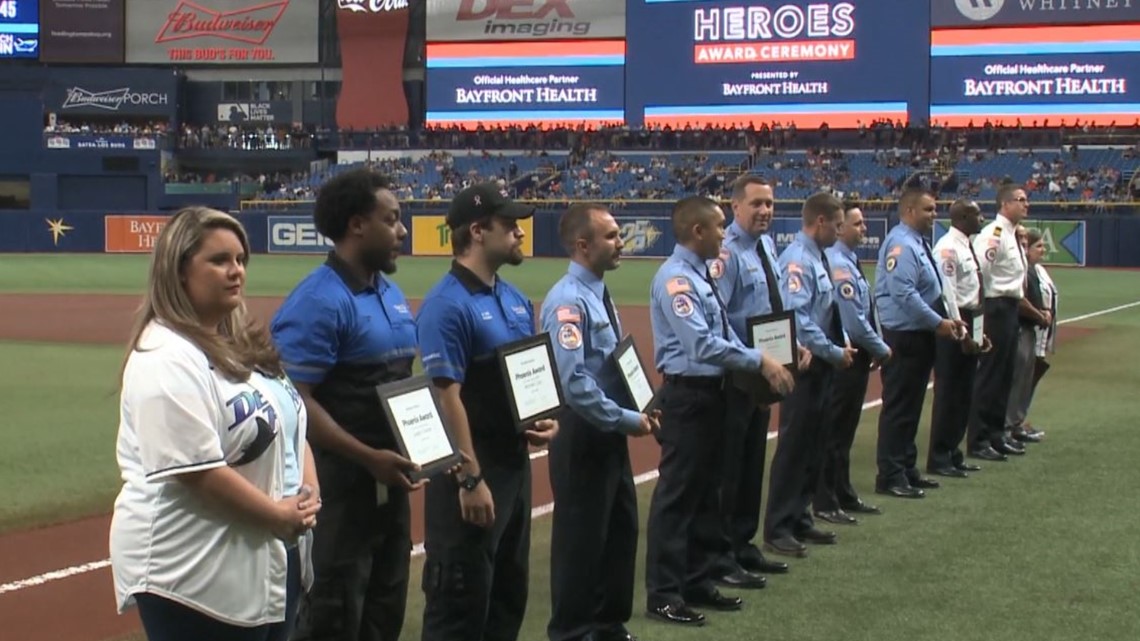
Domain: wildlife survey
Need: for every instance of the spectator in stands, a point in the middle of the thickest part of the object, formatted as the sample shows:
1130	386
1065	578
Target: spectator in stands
204	537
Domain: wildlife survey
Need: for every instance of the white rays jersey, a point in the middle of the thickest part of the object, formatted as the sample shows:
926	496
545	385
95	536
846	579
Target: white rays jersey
179	415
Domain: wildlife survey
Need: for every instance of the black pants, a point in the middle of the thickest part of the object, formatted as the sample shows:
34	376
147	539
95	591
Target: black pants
166	620
841	420
742	484
995	374
593	542
692	430
905	377
799	454
361	554
476	579
954	373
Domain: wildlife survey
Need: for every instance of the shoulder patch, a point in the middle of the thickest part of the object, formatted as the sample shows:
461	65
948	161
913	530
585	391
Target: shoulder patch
724	253
892	260
897	250
568	314
997	231
794	268
991	253
678	285
949	253
794	284
840	273
847	291
683	306
949	268
569	336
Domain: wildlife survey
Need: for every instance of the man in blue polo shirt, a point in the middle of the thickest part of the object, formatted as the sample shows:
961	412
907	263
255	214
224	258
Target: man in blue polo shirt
342	331
477	526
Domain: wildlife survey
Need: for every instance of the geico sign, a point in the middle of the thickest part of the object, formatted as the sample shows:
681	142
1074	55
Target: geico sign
297	235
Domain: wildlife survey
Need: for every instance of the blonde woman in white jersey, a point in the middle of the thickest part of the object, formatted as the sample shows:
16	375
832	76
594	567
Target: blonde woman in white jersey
211	443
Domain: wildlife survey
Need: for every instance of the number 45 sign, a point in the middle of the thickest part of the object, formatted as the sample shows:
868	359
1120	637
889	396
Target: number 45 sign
9	9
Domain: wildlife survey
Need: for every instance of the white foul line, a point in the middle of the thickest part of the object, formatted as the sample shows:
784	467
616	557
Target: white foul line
537	511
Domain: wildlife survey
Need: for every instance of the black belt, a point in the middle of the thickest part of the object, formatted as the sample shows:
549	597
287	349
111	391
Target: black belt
696	382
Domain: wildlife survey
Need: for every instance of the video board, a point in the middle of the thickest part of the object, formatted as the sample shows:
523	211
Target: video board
808	62
1036	75
19	29
545	84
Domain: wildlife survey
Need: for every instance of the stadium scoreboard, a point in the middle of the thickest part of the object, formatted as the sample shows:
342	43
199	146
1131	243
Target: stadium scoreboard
19	29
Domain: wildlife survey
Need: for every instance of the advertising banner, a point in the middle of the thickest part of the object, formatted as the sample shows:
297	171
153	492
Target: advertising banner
106	91
993	13
128	234
295	235
1064	239
491	20
211	32
646	236
102	143
90	31
19	29
1036	74
373	36
731	62
432	237
545	84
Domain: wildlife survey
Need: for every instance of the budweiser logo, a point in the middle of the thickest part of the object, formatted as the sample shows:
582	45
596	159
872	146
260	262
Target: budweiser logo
110	100
250	25
373	6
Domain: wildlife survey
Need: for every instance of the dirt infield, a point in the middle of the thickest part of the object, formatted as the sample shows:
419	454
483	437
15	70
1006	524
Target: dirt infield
81	607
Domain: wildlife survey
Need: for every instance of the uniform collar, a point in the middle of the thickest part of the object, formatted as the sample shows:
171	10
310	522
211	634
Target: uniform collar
588	278
468	279
809	243
344	271
844	250
958	234
741	232
910	231
689	256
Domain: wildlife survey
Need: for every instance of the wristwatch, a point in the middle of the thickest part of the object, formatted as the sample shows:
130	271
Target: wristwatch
470	482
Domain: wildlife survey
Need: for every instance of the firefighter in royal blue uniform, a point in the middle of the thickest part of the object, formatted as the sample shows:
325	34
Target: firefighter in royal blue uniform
343	330
477	524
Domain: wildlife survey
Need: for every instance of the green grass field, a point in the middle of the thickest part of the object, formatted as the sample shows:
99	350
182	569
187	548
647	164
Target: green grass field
1037	548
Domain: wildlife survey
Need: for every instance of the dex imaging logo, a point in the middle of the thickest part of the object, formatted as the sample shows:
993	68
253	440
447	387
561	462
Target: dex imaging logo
979	10
372	6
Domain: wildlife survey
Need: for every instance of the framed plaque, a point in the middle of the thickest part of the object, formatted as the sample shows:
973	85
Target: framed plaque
422	434
633	376
530	377
775	335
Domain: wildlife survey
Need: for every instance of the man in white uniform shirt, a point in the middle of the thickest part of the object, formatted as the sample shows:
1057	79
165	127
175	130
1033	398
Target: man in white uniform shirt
1003	274
956	362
